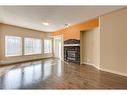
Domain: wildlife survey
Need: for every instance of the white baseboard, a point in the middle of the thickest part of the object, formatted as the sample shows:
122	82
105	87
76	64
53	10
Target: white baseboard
6	62
114	72
91	65
86	63
106	70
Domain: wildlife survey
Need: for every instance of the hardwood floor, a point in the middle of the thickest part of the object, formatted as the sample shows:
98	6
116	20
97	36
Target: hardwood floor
56	74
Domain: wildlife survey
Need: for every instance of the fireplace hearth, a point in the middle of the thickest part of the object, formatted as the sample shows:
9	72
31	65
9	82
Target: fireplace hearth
72	51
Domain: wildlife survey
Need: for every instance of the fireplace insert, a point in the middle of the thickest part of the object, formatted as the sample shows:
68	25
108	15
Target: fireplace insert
71	55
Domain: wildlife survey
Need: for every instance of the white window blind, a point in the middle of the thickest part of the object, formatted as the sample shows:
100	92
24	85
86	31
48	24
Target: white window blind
13	46
47	46
32	46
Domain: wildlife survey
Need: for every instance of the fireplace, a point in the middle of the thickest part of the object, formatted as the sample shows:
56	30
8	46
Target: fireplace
71	55
72	51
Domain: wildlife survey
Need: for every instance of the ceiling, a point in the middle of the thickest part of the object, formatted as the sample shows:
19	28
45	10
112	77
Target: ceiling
33	16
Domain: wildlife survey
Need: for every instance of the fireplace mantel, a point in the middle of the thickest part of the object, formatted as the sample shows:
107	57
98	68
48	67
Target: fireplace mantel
71	44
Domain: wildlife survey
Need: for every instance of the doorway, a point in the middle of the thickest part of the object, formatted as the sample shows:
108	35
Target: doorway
58	50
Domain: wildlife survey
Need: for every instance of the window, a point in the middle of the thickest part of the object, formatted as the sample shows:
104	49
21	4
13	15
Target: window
13	46
32	46
47	46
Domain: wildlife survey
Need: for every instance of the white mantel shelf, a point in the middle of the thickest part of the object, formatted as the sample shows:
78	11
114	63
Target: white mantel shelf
71	44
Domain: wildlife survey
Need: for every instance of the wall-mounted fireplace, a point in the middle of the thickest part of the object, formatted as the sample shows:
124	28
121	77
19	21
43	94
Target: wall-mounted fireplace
72	51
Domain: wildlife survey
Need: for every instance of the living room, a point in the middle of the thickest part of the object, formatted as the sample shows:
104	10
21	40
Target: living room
46	47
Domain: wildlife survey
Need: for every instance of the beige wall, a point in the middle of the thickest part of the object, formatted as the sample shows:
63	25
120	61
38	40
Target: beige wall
114	42
91	47
0	43
22	32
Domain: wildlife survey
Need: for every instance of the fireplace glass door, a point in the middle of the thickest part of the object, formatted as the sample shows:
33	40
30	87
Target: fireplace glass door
71	55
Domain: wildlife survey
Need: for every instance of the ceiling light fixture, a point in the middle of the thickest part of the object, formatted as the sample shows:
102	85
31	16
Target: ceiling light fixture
67	25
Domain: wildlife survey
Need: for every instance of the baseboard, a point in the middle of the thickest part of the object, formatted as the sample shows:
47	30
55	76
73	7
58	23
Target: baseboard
87	63
6	63
114	72
106	70
91	65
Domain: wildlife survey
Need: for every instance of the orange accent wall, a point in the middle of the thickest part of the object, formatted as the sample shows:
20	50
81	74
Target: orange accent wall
73	32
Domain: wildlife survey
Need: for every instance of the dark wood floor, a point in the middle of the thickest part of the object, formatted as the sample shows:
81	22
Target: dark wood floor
56	74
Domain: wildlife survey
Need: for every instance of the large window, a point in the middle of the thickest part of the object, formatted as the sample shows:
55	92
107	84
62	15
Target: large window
32	46
47	46
13	46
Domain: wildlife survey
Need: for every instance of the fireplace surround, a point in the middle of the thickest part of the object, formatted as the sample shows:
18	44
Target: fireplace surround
72	51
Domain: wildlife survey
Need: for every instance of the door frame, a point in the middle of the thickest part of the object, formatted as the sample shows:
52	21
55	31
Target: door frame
62	45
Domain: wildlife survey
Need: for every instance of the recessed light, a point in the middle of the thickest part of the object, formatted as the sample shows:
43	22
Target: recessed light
45	23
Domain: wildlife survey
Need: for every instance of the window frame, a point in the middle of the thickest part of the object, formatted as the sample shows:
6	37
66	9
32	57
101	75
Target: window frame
5	45
32	39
